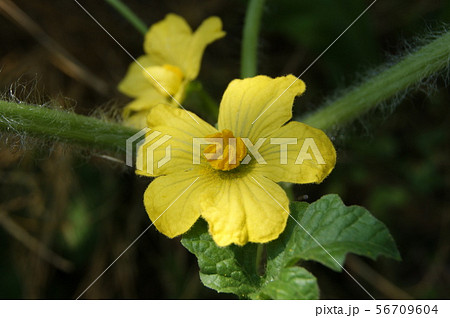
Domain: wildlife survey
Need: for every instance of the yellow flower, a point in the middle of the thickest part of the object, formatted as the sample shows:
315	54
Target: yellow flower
172	60
242	201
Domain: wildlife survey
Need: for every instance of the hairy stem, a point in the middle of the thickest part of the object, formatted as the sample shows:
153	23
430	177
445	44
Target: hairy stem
87	131
249	53
129	15
428	60
63	126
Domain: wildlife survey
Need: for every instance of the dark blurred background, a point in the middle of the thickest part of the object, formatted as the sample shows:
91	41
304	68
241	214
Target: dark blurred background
67	213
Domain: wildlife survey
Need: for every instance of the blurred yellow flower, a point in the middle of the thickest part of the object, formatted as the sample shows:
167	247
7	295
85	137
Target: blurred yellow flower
173	57
240	200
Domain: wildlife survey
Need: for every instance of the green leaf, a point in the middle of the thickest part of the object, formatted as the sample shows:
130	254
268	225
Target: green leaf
230	269
337	228
292	283
326	231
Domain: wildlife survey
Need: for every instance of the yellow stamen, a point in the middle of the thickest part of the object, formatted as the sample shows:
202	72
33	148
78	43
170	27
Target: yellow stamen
175	69
226	152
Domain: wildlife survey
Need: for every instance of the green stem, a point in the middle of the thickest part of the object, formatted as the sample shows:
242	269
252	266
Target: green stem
426	61
129	15
87	131
249	53
249	63
63	126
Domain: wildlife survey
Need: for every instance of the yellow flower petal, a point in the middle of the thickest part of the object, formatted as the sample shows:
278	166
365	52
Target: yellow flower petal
136	83
166	79
172	202
145	77
255	107
309	160
209	31
241	210
165	38
181	119
171	41
164	122
144	102
137	120
135	113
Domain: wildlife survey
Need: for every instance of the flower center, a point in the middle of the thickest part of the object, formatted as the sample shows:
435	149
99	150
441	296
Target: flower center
225	151
175	70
